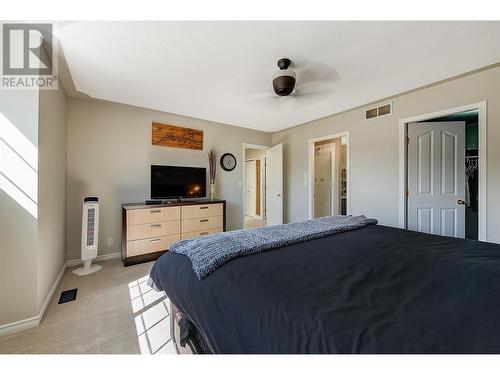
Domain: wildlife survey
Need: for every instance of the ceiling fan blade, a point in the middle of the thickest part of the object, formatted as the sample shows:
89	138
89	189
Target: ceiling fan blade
314	89
316	72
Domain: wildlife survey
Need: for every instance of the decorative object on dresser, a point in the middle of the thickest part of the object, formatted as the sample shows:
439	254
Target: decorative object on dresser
212	168
149	230
228	162
176	136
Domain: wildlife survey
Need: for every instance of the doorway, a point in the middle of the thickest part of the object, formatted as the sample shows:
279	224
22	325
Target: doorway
262	185
329	175
444	173
254	187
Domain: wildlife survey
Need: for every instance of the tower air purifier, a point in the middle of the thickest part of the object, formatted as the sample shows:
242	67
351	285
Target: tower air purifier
90	236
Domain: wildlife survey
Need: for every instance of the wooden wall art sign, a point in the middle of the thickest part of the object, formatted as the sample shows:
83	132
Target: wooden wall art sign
177	136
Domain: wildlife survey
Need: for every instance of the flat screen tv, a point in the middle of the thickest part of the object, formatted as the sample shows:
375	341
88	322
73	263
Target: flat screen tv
178	182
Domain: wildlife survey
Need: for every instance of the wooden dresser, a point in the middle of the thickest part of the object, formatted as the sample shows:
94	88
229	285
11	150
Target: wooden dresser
149	230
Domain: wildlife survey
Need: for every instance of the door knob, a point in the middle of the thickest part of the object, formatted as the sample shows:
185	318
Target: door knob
460	202
278	195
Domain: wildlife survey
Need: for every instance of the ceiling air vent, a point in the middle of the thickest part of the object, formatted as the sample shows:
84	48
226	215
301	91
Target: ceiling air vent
383	110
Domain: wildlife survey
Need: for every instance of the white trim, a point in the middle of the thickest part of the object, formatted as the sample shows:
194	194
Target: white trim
244	146
21	325
99	258
311	168
33	322
482	195
52	291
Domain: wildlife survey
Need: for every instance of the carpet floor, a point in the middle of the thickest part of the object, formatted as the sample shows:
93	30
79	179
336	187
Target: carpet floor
254	222
115	312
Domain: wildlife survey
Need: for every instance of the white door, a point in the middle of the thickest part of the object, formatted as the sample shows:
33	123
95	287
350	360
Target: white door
250	189
436	178
324	171
262	187
274	185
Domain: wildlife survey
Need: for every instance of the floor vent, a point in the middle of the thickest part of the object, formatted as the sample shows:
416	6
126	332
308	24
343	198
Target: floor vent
383	110
67	296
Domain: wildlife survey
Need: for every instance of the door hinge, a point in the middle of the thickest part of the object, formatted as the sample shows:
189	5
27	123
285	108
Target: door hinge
407	140
407	192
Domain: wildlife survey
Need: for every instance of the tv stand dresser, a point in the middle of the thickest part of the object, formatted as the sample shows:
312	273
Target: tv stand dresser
149	230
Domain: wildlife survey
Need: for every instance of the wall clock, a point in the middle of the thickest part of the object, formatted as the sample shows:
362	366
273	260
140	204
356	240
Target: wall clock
228	162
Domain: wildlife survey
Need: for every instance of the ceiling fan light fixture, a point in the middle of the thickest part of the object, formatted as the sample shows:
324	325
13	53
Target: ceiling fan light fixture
284	79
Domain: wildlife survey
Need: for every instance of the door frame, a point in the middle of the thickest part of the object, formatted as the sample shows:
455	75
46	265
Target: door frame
244	146
481	107
311	143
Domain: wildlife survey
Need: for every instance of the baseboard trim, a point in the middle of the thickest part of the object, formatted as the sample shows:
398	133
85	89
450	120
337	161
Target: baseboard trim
21	325
99	258
33	322
52	291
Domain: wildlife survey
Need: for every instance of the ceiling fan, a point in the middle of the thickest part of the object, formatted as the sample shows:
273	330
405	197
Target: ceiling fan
284	79
307	83
312	79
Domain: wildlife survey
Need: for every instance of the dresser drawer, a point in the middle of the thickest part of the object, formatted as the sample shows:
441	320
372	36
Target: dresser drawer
150	245
201	223
141	231
217	209
202	210
189	235
152	215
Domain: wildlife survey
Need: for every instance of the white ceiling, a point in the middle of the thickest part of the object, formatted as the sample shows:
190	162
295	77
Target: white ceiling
221	71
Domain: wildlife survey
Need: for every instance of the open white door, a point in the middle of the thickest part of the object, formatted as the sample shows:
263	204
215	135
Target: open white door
274	185
324	177
250	192
436	178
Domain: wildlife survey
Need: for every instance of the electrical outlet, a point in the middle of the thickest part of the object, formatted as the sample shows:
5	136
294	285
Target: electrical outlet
110	241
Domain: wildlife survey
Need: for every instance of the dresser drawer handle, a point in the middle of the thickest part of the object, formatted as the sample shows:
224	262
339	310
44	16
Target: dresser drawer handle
155	211
203	208
155	241
155	225
204	220
203	233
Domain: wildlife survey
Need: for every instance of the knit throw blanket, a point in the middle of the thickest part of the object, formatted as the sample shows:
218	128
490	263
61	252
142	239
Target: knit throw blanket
209	252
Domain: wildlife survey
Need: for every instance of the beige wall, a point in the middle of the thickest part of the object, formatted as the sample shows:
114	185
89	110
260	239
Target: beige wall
18	227
374	149
110	153
51	189
254	153
32	199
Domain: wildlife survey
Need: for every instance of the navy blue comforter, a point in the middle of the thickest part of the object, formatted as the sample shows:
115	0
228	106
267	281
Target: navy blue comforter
371	290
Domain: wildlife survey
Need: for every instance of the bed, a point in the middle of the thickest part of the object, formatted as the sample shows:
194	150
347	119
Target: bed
371	290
